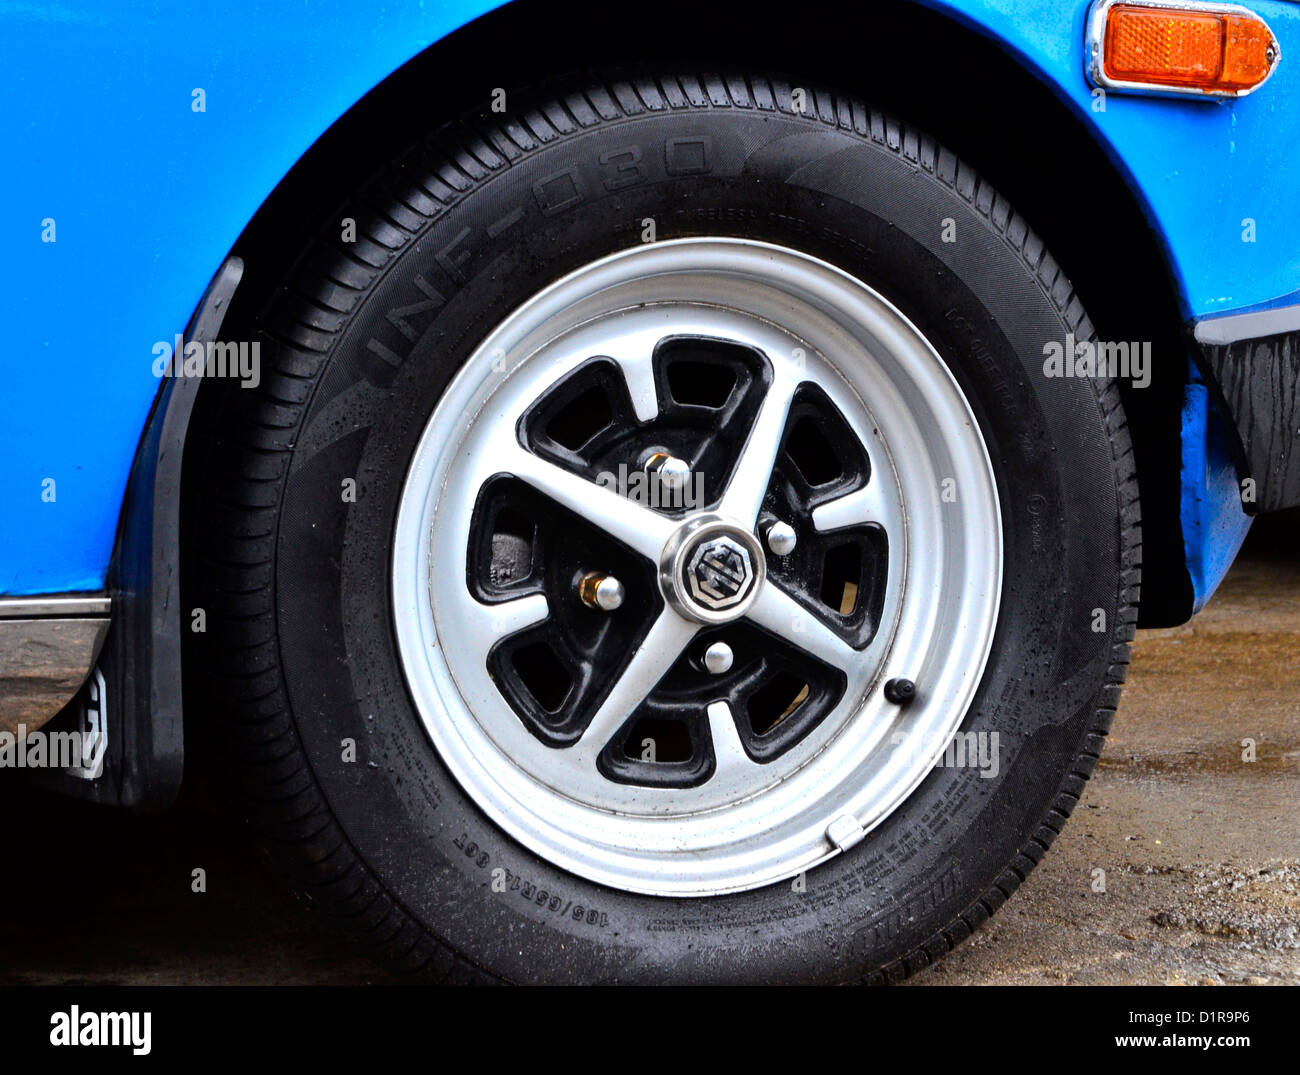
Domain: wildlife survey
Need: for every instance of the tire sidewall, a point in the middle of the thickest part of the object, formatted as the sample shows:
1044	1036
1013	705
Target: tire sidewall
862	205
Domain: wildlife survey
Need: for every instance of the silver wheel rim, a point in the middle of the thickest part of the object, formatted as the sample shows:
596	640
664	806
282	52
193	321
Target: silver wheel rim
931	489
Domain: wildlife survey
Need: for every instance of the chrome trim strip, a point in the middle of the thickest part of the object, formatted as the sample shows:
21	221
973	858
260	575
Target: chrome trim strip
54	605
1233	328
1094	42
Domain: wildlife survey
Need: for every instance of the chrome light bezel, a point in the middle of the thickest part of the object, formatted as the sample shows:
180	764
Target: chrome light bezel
1095	47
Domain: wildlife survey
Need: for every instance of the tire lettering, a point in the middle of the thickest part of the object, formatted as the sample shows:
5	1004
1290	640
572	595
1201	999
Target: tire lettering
451	264
558	191
625	174
539	897
688	156
398	317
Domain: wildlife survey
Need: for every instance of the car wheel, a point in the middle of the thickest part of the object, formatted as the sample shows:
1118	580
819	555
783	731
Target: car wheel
656	553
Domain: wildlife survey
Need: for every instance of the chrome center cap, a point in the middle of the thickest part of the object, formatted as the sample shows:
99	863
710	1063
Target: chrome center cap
711	569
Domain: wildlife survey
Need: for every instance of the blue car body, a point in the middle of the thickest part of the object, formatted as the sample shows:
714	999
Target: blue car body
140	141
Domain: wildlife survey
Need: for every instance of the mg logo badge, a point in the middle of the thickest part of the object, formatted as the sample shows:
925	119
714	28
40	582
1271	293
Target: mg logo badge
719	572
711	569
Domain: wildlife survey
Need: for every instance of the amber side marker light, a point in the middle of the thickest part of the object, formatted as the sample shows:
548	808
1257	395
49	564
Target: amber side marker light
1149	46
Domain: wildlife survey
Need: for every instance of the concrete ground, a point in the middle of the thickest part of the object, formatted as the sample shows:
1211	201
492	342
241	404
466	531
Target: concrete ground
1200	849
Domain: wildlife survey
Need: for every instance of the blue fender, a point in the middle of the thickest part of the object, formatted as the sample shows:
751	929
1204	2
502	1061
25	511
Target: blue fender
146	195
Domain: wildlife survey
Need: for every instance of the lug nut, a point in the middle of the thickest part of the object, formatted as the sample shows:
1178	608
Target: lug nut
900	691
781	538
673	473
603	592
718	658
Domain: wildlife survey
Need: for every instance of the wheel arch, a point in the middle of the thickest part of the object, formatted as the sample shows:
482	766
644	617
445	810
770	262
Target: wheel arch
1084	210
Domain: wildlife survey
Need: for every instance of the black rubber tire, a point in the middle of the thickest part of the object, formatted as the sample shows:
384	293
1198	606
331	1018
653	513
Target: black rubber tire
357	347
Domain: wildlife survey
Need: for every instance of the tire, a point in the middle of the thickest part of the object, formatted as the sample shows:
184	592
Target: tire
306	650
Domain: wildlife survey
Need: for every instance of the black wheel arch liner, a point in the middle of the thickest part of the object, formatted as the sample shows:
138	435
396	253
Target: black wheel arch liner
1252	363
